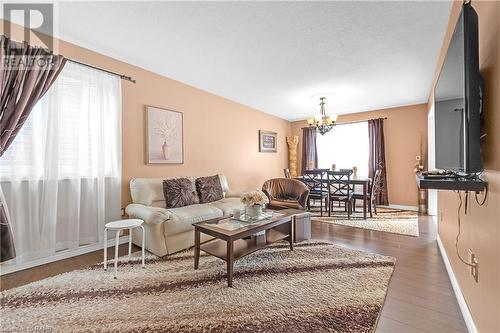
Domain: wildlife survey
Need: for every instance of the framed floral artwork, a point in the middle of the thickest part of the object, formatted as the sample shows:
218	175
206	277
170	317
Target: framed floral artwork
268	141
164	133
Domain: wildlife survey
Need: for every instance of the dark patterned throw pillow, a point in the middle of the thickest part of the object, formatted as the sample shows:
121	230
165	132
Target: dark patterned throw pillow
178	192
209	189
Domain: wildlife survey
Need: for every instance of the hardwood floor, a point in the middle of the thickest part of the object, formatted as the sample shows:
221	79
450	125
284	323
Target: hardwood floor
58	267
420	296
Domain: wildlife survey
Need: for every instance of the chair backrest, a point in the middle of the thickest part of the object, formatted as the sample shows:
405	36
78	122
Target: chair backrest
351	171
376	182
314	179
338	183
287	173
284	188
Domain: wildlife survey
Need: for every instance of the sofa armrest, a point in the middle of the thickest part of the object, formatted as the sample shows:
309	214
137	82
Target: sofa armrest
230	194
303	198
150	215
268	195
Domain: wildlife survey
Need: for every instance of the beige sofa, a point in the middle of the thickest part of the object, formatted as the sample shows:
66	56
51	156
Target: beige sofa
170	230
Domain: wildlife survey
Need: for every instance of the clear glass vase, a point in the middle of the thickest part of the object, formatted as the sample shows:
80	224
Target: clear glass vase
253	211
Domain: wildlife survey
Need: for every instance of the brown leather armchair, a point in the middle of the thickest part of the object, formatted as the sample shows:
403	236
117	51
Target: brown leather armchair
286	193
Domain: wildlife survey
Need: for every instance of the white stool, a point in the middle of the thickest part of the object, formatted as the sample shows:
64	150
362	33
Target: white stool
119	226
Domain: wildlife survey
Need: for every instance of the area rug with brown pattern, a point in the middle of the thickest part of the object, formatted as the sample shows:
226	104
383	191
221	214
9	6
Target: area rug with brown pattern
317	287
396	221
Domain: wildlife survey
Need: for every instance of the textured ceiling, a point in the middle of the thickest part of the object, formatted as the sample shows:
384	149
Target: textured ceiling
274	56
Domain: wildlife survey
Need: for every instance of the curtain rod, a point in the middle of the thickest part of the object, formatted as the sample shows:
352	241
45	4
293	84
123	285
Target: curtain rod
354	122
123	77
359	121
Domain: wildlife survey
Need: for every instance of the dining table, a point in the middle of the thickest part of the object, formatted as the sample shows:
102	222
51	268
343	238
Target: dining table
363	182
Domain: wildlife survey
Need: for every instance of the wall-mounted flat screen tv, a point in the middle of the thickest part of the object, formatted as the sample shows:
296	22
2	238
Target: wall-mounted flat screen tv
458	100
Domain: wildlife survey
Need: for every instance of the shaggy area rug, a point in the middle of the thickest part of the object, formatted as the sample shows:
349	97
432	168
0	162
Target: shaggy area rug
318	287
395	221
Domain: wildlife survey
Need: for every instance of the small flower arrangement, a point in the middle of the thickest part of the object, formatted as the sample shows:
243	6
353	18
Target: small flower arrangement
252	198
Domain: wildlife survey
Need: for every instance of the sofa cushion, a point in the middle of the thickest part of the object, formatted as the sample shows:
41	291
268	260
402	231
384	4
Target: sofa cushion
149	191
209	189
182	218
178	192
150	215
228	205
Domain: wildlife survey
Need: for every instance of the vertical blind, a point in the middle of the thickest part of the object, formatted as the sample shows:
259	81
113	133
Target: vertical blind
61	176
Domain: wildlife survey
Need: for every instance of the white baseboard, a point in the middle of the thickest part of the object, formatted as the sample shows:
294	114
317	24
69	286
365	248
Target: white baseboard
469	322
435	220
5	268
403	207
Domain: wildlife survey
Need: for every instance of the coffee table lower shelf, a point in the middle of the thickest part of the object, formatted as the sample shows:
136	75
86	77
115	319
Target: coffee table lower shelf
242	247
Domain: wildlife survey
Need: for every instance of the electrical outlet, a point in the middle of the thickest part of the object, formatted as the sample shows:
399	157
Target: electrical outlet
474	269
123	211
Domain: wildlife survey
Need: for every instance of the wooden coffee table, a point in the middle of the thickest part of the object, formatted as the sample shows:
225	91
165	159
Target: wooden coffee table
236	239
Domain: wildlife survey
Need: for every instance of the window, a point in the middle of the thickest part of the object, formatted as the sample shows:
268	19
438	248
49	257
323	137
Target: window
61	176
68	124
345	146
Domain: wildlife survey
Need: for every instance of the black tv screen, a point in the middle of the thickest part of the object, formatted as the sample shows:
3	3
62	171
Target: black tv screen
458	100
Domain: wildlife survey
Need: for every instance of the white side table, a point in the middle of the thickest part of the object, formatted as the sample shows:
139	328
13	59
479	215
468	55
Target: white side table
119	226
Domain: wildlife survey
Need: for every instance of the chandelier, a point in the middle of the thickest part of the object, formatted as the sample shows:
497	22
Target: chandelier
322	122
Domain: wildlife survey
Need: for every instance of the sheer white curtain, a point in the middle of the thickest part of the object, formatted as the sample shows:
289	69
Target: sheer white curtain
346	146
61	176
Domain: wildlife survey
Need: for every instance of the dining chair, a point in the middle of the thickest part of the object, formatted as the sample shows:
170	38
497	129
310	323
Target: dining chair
287	173
373	189
352	186
315	181
339	190
361	196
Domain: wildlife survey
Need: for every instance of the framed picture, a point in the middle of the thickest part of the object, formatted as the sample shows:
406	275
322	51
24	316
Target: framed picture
268	141
164	136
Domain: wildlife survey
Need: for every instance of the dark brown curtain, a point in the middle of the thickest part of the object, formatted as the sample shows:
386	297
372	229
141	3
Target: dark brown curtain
376	158
309	149
26	74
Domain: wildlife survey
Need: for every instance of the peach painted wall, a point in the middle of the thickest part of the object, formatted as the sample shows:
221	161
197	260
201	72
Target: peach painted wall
481	227
403	130
220	136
